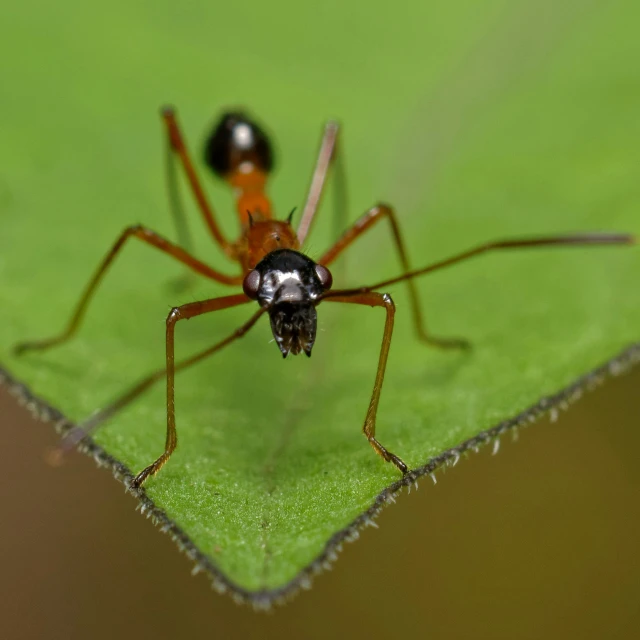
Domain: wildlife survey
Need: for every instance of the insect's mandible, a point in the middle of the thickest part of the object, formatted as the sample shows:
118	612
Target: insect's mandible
286	284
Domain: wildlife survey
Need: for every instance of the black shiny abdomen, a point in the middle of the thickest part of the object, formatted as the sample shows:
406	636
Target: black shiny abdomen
235	140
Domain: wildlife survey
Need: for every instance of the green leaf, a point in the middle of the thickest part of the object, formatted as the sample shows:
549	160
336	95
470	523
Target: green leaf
513	121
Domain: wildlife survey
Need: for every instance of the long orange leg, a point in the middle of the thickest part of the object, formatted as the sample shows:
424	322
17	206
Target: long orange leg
328	147
569	240
148	236
86	428
184	312
178	145
374	299
364	223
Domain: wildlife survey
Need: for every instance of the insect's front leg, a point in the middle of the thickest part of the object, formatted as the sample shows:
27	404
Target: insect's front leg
375	299
87	427
185	312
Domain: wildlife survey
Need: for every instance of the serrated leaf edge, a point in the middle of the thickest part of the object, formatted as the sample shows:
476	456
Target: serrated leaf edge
264	599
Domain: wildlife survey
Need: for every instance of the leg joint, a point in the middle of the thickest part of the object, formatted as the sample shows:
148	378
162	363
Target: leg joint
133	230
174	315
167	111
384	208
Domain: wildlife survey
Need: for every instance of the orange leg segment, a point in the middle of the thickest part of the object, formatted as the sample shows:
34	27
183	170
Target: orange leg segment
363	224
185	312
569	240
87	427
178	145
148	236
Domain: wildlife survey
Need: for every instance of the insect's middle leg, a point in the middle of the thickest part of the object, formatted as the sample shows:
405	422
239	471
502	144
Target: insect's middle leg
374	299
364	223
149	237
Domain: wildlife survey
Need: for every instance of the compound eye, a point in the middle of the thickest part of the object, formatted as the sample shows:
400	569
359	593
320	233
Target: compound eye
326	279
251	284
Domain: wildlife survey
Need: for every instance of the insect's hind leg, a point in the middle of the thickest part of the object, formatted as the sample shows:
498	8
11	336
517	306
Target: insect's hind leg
177	145
363	224
183	233
185	281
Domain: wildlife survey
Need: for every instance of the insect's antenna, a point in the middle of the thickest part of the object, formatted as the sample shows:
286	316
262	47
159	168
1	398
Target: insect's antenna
250	218
290	216
574	240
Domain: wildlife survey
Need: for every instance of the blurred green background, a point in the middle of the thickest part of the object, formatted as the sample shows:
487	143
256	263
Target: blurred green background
537	542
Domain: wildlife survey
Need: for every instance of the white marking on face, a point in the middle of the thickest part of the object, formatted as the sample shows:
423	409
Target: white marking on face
276	279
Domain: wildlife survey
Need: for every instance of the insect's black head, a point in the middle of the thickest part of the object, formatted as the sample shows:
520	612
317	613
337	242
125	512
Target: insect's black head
235	140
289	285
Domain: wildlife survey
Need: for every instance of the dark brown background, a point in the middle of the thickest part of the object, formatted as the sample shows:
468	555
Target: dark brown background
540	541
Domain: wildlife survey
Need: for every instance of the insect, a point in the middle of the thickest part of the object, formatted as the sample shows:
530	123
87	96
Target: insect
287	285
